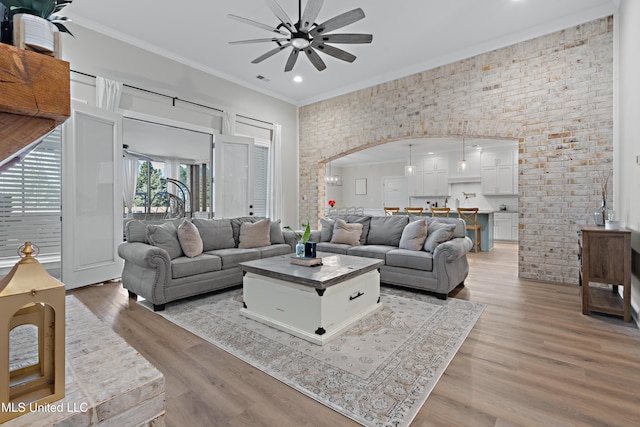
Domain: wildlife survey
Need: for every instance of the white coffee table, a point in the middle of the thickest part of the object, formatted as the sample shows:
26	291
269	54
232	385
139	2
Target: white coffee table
312	303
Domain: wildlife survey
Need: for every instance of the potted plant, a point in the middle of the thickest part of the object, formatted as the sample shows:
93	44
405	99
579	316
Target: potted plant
40	18
302	238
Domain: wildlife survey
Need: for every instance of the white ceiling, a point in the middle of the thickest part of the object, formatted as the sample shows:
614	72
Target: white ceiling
408	36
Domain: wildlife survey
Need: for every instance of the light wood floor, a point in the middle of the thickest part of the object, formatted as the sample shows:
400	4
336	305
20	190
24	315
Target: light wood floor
531	360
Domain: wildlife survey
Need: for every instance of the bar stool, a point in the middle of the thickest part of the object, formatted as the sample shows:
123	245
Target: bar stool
470	217
442	212
391	211
413	211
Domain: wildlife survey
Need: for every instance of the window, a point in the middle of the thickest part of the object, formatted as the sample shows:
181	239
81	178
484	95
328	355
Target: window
166	197
30	200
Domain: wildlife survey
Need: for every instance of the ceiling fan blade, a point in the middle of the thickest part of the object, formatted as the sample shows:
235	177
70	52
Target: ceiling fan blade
311	11
282	15
345	38
273	39
338	22
257	24
270	53
334	51
293	57
315	59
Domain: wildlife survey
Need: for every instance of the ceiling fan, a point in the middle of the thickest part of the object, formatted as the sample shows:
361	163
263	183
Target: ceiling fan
306	35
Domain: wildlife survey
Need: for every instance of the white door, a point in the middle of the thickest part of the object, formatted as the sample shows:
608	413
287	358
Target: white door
92	206
232	181
394	192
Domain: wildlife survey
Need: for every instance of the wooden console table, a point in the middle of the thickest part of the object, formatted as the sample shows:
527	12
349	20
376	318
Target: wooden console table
606	259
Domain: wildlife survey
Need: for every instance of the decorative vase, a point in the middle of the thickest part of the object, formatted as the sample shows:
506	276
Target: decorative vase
34	32
300	249
601	215
598	217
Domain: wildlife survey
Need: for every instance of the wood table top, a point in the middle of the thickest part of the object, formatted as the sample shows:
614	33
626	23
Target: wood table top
335	269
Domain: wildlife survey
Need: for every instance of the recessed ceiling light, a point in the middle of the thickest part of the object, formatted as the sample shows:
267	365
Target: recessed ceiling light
297	79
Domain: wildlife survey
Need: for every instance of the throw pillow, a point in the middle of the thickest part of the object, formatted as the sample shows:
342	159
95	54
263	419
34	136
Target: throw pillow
346	233
327	229
275	233
136	231
386	230
189	239
215	233
365	220
237	222
165	236
255	235
414	235
438	232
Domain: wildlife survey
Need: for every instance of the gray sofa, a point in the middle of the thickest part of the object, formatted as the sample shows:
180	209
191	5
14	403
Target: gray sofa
438	266
161	267
157	269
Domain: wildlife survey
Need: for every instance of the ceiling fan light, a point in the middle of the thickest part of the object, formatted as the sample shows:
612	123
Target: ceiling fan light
300	43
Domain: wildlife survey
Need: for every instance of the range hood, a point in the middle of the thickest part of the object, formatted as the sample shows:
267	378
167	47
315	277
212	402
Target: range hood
34	100
463	179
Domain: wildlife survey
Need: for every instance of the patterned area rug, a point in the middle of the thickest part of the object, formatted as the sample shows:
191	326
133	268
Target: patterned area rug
378	373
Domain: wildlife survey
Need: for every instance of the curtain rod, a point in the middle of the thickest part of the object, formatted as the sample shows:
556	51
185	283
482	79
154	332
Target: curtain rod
174	98
257	120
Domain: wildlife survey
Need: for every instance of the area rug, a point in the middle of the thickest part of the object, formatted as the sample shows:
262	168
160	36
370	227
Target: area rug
378	373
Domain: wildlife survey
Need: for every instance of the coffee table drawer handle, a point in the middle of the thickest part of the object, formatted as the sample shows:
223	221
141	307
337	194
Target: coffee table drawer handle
357	295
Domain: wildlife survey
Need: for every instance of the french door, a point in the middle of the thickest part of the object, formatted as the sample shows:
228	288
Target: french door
92	204
232	186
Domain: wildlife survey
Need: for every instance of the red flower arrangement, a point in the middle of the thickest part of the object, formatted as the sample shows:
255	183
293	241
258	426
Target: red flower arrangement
332	203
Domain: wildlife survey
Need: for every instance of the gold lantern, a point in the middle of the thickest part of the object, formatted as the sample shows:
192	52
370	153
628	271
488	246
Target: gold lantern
30	297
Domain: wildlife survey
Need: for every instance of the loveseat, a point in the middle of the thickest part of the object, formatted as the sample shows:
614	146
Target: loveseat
170	260
432	258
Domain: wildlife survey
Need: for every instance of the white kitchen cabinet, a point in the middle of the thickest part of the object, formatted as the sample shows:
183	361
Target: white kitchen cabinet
415	184
435	163
435	178
435	183
505	226
498	172
471	172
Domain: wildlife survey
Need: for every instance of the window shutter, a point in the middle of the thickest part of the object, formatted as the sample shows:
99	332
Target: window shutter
30	200
260	170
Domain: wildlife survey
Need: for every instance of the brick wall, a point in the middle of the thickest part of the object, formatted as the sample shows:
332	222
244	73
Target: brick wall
554	94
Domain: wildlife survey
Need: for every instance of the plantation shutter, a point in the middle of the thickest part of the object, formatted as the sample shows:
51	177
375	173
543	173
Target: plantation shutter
30	200
260	165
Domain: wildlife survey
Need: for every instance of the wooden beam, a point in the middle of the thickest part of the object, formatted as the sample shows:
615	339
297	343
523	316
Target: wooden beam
34	97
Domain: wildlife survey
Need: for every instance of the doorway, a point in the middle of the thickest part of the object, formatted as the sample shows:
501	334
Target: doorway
394	191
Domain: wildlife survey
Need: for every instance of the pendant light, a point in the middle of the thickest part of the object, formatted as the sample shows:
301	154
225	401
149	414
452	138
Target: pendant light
410	169
462	165
331	179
